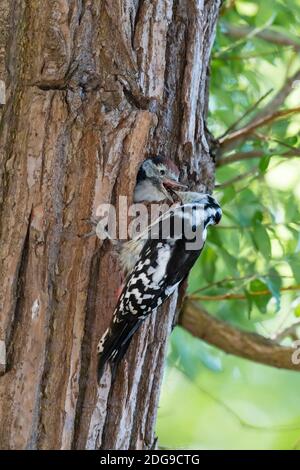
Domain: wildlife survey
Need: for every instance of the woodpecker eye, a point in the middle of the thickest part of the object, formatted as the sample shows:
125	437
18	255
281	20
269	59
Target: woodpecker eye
162	172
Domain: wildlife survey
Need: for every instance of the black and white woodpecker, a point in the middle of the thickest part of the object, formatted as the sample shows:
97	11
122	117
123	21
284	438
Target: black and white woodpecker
160	258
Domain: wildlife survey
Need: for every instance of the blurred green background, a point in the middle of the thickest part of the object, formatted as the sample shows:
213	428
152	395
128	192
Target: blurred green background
211	400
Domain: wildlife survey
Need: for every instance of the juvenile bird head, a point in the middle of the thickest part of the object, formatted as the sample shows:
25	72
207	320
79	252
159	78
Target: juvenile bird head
156	179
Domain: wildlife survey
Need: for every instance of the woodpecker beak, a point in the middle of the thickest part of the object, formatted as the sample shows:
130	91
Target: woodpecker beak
166	193
173	184
218	216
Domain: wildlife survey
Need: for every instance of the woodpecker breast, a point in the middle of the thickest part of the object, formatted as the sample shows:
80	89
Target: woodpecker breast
145	191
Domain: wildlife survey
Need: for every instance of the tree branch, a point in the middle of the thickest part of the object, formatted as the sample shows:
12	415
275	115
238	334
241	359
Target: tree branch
255	124
233	341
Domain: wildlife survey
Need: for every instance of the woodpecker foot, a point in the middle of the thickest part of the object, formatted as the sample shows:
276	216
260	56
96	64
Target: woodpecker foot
119	291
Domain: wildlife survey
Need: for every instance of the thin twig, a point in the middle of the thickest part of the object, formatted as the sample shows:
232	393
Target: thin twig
232	279
246	36
289	331
231	181
227	57
266	34
267	138
241	156
222	281
230	296
250	227
246	113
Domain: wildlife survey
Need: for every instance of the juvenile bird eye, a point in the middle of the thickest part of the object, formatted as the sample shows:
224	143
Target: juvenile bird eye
162	172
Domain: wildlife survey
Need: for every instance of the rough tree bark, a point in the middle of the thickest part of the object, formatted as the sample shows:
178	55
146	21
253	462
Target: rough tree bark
92	87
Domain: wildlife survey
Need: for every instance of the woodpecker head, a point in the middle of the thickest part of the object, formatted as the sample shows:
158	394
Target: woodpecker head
156	179
213	211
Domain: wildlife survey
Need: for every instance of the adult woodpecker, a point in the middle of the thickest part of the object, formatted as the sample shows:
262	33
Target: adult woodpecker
160	258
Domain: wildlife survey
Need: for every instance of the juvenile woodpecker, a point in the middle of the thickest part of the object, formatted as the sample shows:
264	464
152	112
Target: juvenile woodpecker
160	258
156	181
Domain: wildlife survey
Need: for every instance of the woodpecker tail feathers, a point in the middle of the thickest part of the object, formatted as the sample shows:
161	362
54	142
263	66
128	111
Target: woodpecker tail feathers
114	344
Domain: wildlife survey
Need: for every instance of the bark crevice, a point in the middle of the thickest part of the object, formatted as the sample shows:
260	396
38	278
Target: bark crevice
11	332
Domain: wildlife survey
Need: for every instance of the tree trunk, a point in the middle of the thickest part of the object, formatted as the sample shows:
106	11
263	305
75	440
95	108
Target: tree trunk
91	88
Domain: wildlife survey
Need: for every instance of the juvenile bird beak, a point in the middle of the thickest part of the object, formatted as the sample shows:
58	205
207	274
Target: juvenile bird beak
173	184
166	193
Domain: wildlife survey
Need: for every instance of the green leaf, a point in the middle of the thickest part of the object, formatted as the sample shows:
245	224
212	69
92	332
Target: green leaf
261	301
273	281
295	267
253	79
210	362
291	208
258	217
257	286
208	260
266	14
264	163
228	195
262	240
215	238
230	262
297	311
190	354
246	8
182	353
